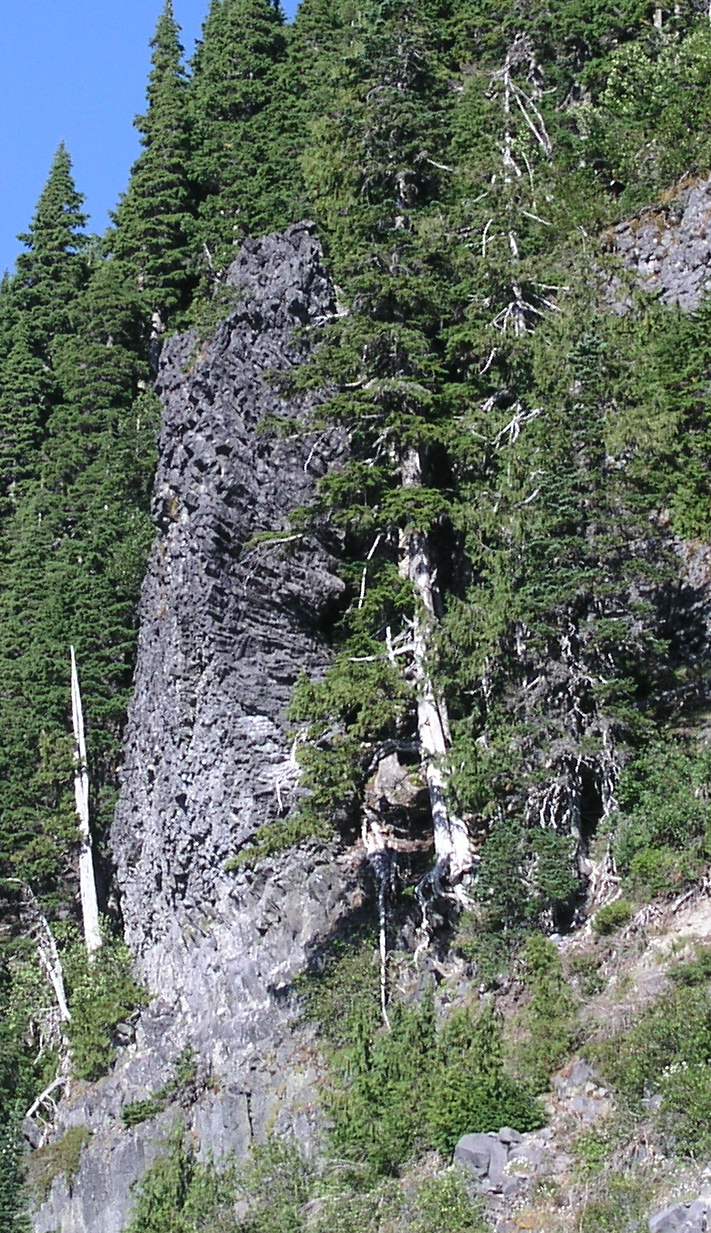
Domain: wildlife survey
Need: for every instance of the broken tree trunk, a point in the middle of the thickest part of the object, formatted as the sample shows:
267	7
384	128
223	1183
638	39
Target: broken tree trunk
46	948
87	881
381	862
453	849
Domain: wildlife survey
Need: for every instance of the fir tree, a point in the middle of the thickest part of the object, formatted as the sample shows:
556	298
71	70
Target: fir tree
34	314
154	220
26	389
307	84
54	269
237	152
376	175
73	561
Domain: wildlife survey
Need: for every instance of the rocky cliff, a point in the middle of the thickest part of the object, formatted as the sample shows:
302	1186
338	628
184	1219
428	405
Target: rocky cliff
229	620
237	603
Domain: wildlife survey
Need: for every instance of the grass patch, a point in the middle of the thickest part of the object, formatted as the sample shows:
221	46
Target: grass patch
668	1053
625	1205
58	1159
696	971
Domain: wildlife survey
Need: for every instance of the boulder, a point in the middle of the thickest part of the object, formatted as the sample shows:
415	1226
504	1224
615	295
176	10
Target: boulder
681	1218
474	1152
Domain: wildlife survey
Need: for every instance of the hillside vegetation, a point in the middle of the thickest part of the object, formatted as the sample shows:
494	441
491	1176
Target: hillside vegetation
542	459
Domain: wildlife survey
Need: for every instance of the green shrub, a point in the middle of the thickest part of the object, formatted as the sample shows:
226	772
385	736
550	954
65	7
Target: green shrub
177	1195
470	1090
434	1205
586	968
613	916
695	972
663	871
101	995
344	994
502	887
184	1076
675	1031
668	1052
58	1159
142	1110
279	836
685	1112
396	1093
277	1183
443	1206
489	952
12	1198
164	1190
662	835
400	1092
550	1019
553	877
524	873
377	1099
625	1205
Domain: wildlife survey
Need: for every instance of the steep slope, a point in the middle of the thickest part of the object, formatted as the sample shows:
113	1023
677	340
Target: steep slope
228	623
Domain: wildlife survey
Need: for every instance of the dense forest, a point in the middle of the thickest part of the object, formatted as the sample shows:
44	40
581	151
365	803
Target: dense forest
535	457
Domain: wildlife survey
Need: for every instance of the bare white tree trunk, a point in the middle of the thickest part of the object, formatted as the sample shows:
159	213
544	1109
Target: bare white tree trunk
375	842
46	949
52	964
453	849
87	881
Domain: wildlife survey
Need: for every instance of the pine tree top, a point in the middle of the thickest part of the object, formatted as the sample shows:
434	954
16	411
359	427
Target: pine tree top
58	220
168	79
154	216
55	267
242	41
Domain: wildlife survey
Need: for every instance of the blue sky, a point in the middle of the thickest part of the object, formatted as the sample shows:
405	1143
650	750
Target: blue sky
74	71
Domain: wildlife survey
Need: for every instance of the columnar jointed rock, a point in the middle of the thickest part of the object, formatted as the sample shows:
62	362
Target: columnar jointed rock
228	623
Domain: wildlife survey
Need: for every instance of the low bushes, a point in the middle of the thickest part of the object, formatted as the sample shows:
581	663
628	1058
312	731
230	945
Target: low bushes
58	1159
101	995
285	1193
613	916
662	838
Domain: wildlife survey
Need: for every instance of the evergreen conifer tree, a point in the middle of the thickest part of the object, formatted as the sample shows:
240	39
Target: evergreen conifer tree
55	268
378	175
34	313
154	220
236	162
307	83
73	562
26	388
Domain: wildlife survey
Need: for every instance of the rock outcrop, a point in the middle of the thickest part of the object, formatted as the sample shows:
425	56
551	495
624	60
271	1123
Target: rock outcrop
668	249
233	610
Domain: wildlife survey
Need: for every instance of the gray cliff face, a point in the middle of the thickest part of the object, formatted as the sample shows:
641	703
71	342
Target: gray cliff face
228	624
668	249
